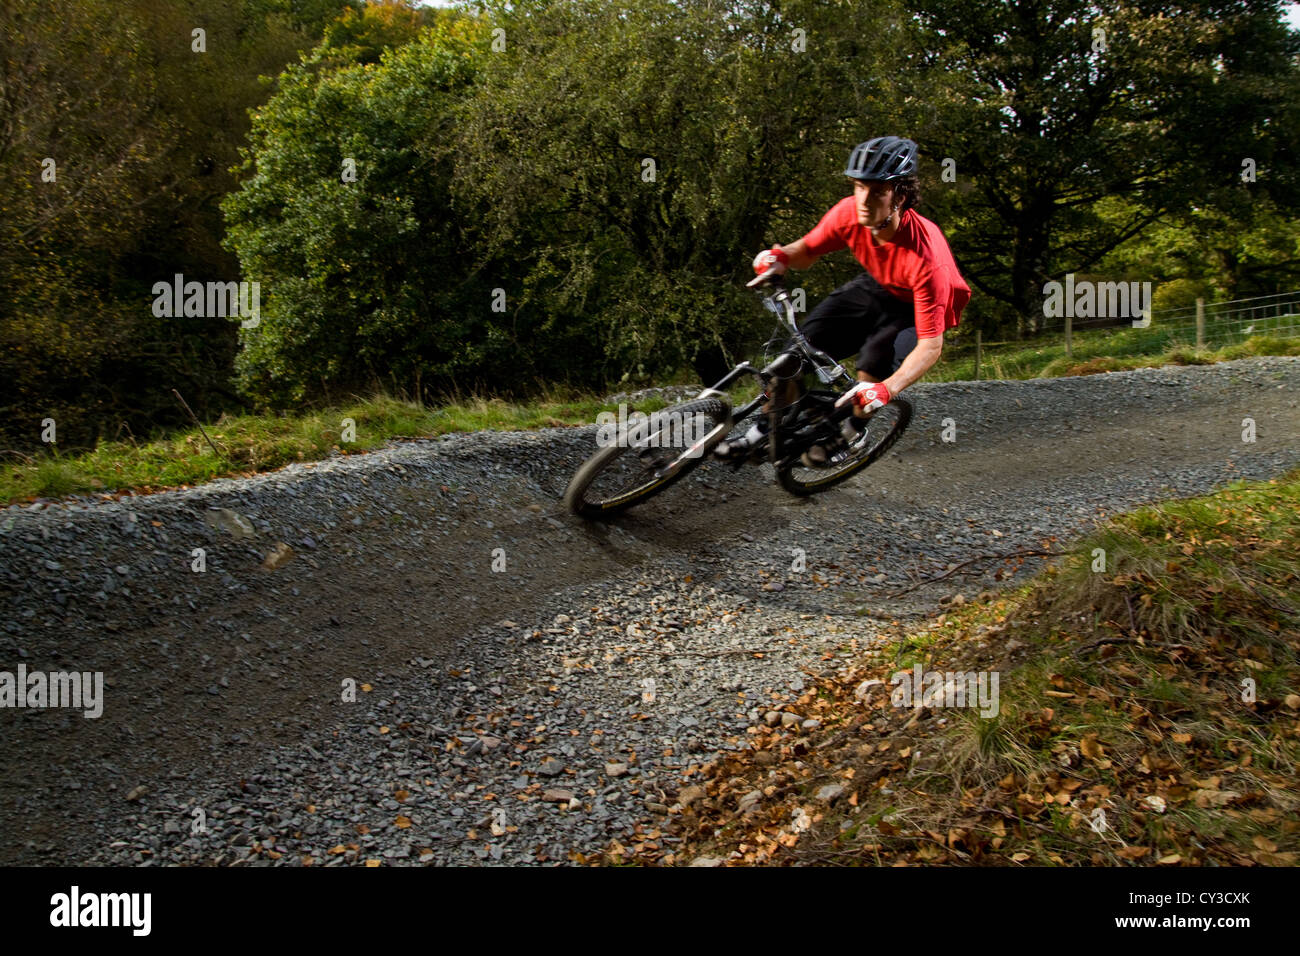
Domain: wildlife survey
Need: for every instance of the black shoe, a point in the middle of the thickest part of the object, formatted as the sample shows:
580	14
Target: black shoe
835	450
853	430
753	442
739	449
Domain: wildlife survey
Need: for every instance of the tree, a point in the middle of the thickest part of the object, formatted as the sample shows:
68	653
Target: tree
626	161
343	215
360	36
1254	251
572	196
1047	107
116	135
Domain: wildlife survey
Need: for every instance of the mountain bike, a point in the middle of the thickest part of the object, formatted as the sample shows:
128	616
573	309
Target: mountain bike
644	455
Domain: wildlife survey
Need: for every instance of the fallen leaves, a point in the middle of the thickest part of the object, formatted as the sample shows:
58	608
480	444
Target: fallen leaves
1123	737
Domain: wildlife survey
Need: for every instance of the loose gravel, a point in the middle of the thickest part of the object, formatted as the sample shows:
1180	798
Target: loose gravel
414	657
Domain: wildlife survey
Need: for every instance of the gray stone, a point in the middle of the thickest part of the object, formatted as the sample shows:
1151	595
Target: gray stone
830	793
226	520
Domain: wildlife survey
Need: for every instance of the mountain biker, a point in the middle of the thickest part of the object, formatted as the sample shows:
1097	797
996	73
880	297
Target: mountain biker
894	314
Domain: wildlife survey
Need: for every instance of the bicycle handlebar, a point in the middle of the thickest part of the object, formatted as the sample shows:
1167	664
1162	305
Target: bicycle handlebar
778	301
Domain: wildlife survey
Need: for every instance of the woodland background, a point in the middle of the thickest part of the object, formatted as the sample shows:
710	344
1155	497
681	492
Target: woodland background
505	147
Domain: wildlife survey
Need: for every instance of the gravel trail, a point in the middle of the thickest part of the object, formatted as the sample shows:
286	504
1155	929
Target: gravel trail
526	685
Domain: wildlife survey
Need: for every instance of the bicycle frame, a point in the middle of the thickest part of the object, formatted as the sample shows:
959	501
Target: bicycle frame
827	368
828	371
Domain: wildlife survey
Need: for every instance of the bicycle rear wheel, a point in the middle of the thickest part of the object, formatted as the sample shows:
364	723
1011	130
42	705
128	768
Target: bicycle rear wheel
882	430
629	472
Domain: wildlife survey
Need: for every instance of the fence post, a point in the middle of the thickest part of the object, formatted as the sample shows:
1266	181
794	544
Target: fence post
1069	327
1200	323
979	352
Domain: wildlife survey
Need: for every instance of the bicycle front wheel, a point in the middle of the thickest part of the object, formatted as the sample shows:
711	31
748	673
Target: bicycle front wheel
636	467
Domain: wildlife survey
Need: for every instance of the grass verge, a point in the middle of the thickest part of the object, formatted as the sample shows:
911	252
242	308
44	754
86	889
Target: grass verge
1147	713
249	443
1106	350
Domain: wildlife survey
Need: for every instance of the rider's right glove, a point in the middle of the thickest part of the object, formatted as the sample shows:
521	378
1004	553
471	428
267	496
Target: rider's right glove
867	395
771	262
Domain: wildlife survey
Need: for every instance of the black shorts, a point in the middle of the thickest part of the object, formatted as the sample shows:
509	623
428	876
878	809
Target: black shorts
861	317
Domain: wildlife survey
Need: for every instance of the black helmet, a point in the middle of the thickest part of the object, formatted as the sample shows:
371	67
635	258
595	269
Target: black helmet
884	158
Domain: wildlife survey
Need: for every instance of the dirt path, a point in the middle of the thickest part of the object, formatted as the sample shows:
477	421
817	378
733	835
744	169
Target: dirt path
259	662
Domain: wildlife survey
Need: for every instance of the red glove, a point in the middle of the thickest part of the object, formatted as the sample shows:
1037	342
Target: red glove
868	395
769	263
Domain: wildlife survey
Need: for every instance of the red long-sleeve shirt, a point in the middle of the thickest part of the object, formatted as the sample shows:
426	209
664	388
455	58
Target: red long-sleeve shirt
916	265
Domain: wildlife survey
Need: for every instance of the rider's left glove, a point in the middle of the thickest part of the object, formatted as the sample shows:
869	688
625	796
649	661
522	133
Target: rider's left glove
866	395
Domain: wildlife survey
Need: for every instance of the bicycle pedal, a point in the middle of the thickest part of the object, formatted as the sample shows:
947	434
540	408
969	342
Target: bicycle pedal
829	451
816	457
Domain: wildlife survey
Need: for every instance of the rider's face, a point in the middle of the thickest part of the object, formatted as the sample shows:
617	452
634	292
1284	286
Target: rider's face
874	201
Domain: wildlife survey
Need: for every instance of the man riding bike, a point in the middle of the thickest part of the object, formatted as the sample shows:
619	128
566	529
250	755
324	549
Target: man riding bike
895	313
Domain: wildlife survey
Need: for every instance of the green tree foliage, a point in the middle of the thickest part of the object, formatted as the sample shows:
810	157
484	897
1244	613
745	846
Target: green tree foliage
344	218
1211	253
1049	107
141	129
610	169
627	161
72	146
360	36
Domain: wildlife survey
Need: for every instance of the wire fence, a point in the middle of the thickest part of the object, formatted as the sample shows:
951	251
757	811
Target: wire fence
1206	325
1215	324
